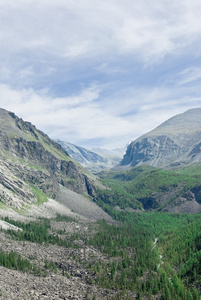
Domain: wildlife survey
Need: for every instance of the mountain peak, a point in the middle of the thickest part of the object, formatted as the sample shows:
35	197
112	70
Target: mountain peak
174	142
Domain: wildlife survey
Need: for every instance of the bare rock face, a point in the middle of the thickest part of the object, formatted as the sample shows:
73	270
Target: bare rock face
175	142
152	151
189	202
14	192
81	155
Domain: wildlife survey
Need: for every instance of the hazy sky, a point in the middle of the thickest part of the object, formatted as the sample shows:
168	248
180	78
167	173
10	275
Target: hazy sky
99	73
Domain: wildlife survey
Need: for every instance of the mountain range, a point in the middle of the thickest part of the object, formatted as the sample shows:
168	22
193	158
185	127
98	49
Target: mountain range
35	167
131	232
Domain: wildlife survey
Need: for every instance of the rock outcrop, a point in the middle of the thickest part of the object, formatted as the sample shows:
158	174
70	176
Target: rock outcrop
176	142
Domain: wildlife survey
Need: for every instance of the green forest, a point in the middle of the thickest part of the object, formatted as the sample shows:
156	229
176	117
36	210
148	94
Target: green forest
132	187
153	254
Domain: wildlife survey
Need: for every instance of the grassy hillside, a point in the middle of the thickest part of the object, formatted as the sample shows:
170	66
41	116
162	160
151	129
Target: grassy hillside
147	187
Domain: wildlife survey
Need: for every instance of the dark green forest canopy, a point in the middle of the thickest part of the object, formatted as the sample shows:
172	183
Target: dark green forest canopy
150	248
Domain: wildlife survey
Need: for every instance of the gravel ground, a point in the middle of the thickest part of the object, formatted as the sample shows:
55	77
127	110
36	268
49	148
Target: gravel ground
72	279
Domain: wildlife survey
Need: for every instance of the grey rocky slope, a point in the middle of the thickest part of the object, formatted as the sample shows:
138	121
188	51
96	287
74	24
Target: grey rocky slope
81	155
88	159
94	161
62	271
33	167
176	142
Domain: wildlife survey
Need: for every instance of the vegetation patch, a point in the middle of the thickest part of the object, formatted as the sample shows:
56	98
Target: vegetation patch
37	232
13	260
42	198
148	255
132	187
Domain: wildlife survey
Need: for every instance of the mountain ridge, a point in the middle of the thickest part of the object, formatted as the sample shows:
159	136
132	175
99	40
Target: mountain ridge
175	142
33	167
93	160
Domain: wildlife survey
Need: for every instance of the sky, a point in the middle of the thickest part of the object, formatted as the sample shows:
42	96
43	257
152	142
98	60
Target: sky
99	73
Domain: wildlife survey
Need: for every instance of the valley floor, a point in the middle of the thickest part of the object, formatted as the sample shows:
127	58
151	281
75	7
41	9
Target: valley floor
59	254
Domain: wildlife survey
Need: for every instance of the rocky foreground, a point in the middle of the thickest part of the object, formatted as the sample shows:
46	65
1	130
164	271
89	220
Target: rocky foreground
64	272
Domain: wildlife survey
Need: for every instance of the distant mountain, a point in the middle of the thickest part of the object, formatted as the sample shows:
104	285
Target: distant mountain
176	142
94	161
112	157
111	154
80	154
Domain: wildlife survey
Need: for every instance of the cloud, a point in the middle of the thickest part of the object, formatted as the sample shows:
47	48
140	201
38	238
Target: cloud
189	75
32	102
103	71
83	118
73	118
105	68
86	29
44	40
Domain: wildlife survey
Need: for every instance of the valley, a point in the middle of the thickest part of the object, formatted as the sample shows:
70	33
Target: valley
131	232
77	258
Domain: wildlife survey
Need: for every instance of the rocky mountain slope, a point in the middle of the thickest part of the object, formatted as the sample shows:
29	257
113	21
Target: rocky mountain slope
53	248
161	170
33	167
88	159
176	142
40	182
94	161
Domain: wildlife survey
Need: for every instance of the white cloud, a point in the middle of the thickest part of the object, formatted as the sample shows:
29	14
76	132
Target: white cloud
28	101
72	118
68	28
39	36
82	117
47	44
189	75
